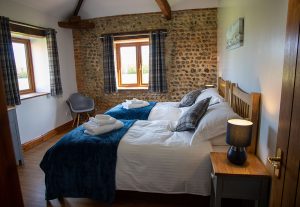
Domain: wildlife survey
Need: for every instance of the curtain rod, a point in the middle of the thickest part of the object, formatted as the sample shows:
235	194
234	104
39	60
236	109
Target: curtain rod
132	34
27	25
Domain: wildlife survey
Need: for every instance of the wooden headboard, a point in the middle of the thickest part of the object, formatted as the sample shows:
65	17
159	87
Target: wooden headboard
223	88
247	105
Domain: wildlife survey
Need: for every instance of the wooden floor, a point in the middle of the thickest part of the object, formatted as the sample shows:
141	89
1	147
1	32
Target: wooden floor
33	189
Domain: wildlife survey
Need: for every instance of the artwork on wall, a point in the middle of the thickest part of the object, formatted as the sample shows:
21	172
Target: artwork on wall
235	34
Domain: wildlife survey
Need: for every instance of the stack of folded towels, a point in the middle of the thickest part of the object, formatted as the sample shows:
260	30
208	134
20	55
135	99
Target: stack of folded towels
101	124
134	103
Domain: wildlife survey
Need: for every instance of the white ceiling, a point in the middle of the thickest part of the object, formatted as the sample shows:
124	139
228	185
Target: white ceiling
100	8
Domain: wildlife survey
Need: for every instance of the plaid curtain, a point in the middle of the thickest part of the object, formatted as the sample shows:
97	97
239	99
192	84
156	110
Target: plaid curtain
55	81
157	76
8	65
109	64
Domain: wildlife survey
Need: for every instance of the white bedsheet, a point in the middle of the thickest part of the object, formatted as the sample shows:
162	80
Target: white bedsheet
151	158
166	111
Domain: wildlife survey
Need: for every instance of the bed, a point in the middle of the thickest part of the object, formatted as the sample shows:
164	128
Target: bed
170	148
153	158
163	110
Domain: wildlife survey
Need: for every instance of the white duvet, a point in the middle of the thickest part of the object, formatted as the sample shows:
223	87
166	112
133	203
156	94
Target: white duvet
166	111
152	158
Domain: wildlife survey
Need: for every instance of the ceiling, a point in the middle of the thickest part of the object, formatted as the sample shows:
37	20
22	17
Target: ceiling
101	8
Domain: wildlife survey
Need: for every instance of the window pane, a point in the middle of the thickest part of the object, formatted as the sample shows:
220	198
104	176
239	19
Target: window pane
21	64
128	65
145	64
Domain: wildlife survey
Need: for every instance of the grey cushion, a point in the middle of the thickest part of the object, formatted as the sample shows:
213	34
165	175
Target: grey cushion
79	103
190	119
190	98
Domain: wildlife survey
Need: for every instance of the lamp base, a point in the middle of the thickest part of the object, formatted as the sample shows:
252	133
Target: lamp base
237	155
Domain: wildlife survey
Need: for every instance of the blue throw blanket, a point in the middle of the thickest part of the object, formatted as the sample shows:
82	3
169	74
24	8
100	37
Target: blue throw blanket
119	112
80	165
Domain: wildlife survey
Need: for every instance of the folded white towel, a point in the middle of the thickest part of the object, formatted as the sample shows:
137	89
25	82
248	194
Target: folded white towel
102	117
93	129
134	101
100	122
132	106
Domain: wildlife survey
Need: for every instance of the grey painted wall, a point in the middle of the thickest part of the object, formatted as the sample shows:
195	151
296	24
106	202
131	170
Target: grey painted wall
39	115
258	65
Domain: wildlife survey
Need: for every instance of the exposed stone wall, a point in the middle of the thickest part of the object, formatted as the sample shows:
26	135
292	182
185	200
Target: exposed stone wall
191	54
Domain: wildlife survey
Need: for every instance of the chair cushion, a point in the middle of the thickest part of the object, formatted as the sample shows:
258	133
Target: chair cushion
79	103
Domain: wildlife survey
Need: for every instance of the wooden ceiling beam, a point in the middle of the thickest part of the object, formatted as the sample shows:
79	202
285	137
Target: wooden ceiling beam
78	7
75	21
165	8
77	25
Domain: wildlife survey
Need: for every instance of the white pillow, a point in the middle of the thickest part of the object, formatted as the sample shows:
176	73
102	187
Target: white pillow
214	122
219	140
210	92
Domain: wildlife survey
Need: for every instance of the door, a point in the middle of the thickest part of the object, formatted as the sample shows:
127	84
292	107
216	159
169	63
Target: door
285	189
10	192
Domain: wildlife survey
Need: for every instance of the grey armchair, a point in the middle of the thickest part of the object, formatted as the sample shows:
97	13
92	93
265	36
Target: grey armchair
79	105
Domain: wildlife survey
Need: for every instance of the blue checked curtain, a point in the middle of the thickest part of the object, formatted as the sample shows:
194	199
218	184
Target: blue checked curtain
55	81
8	65
109	64
157	76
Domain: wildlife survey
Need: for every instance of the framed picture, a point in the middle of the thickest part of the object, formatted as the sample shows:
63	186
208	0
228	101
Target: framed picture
235	34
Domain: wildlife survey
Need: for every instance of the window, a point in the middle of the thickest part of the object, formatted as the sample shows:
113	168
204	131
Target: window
23	59
132	58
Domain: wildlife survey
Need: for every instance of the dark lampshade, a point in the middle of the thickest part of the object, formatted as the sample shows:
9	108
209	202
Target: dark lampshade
239	132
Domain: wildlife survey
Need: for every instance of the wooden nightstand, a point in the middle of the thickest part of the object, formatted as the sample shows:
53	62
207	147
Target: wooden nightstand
250	181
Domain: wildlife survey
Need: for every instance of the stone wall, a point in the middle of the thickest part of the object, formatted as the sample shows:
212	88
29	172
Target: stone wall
191	54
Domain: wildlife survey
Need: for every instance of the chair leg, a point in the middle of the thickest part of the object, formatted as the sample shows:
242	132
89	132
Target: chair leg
78	120
74	120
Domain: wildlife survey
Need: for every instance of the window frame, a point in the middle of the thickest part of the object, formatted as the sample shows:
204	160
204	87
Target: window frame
138	46
30	72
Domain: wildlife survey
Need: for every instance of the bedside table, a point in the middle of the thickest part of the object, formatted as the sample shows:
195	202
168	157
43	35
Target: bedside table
249	181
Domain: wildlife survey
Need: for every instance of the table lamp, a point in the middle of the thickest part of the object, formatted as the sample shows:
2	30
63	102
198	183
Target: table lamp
239	132
210	86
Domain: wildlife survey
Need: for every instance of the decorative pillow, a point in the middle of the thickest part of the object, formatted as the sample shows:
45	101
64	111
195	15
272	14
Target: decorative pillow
190	119
210	92
189	98
214	123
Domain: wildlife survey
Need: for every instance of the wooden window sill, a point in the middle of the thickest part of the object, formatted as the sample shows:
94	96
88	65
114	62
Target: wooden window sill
33	95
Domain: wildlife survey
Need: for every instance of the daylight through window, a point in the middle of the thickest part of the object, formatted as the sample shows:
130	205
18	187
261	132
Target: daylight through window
132	58
23	59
